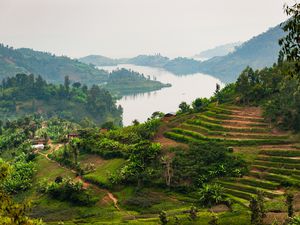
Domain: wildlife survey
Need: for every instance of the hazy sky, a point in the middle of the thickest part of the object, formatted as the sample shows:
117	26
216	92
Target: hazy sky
123	28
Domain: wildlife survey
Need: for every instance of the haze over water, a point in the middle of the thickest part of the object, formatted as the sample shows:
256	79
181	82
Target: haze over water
184	88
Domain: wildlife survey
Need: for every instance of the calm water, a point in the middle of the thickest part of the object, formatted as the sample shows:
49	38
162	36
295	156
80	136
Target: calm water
184	88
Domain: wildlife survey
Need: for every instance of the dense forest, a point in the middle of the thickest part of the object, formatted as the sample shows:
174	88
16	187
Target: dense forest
26	94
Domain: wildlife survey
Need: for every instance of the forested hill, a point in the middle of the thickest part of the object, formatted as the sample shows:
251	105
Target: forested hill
125	82
52	68
259	52
25	94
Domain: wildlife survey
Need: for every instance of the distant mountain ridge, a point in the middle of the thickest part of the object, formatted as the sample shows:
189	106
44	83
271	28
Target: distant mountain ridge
258	52
220	50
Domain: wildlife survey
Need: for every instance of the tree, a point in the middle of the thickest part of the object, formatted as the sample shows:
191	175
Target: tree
257	209
197	104
1	127
193	213
76	85
67	85
289	202
290	44
141	156
217	92
214	220
184	107
163	217
168	172
74	147
11	212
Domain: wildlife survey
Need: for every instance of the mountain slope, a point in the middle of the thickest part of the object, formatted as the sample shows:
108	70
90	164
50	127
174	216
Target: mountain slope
260	51
50	67
221	50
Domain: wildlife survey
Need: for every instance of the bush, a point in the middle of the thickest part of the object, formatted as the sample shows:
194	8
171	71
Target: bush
210	195
68	190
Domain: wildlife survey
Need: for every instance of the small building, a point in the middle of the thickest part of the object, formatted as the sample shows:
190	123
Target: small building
37	141
38	146
168	116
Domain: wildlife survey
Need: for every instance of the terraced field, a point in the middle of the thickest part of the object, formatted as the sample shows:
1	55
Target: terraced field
273	157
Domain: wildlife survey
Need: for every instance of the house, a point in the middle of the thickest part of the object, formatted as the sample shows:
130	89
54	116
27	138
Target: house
168	116
38	146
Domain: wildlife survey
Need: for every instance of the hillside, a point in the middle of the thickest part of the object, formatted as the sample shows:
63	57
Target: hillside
271	155
179	65
259	52
52	68
221	50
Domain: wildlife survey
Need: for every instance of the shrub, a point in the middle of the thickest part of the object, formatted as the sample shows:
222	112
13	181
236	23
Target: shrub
68	190
211	194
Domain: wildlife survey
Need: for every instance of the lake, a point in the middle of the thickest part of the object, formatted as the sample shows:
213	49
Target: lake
184	88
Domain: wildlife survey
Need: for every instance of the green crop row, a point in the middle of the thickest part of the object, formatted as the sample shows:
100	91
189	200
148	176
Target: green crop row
220	110
277	170
206	131
278	159
247	189
278	164
283	180
259	183
216	115
284	153
218	127
239	194
233	142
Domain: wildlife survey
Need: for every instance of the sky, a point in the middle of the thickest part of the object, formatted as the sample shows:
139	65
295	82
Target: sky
126	28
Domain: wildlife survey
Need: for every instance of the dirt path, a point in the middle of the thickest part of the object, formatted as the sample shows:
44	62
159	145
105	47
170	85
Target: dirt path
86	184
114	200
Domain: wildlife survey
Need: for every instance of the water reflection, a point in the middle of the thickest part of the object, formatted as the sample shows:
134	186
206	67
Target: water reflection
184	88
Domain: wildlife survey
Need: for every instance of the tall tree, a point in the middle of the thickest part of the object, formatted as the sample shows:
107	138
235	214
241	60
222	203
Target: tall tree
290	44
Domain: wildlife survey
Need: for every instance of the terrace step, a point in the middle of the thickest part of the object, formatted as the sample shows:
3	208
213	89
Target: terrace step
279	159
248	189
278	164
239	194
248	141
282	179
232	121
227	116
275	170
223	134
259	183
281	153
219	127
238	200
